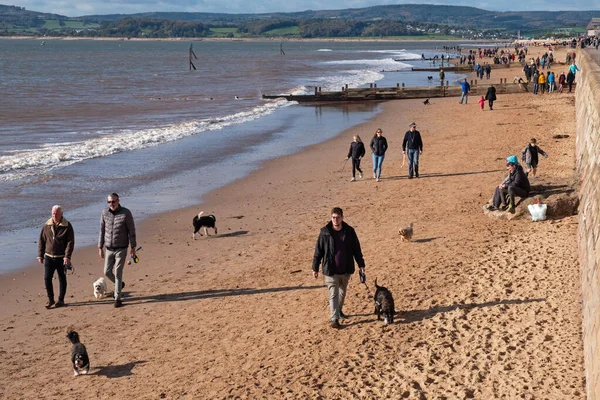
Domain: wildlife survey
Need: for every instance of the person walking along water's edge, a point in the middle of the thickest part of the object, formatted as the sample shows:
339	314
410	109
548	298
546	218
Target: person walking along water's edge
379	146
55	247
117	232
357	152
337	247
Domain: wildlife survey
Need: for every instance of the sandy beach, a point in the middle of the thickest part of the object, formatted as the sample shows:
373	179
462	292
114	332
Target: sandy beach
486	309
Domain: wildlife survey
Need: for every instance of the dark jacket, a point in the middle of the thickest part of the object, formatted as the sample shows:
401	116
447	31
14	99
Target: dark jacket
117	229
413	140
324	250
570	77
491	93
56	240
518	178
379	145
529	154
357	150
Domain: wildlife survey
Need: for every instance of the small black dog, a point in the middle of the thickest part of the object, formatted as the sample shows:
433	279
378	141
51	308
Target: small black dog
204	222
384	304
430	78
79	355
426	102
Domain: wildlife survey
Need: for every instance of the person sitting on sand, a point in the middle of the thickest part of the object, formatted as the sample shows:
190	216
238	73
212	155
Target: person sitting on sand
515	184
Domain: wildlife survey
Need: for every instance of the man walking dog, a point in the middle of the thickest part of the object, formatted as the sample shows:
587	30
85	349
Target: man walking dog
55	247
337	247
117	232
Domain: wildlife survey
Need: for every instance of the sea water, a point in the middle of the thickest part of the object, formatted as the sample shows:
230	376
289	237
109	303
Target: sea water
83	118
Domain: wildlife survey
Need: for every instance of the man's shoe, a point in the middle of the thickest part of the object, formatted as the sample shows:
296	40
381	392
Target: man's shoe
335	324
49	303
118	303
503	207
59	304
360	175
353	179
492	208
374	175
343	316
511	209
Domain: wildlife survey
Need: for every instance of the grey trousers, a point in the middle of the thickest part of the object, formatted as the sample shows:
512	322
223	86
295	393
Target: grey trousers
116	259
337	285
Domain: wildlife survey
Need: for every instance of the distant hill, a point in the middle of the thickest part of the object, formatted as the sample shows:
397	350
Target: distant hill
387	20
469	17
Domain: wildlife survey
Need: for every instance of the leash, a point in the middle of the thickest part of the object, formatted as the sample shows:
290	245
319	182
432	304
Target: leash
345	161
363	280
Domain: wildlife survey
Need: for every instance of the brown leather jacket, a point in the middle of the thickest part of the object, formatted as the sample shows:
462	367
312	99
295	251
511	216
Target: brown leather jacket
56	240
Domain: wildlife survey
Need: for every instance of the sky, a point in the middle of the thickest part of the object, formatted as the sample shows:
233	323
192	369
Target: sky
86	7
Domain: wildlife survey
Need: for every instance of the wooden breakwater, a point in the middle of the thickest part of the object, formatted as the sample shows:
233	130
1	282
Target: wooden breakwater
399	92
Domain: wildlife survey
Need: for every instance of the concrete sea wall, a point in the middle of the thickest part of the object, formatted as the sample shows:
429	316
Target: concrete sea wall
587	103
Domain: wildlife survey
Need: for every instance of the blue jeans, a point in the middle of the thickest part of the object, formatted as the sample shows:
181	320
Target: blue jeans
464	96
377	163
413	162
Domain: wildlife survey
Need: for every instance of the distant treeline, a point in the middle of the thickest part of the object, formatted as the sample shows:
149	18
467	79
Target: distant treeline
150	28
376	21
314	28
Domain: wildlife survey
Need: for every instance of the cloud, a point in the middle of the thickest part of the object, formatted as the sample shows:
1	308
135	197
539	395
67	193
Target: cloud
87	7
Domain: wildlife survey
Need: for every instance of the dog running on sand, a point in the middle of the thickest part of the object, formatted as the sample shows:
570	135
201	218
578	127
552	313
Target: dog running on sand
99	288
79	355
406	233
426	102
206	222
384	304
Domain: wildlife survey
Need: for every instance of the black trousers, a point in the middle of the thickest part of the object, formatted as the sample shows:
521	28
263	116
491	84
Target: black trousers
51	265
491	104
356	166
511	191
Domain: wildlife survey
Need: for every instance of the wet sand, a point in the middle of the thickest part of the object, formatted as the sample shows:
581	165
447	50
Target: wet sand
485	308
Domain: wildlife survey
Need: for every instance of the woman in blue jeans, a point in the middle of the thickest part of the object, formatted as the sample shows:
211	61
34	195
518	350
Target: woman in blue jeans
378	147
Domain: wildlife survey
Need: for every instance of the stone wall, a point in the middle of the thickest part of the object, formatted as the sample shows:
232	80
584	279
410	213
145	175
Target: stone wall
587	103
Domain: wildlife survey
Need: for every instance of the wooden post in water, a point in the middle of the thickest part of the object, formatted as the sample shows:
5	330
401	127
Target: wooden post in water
192	54
315	90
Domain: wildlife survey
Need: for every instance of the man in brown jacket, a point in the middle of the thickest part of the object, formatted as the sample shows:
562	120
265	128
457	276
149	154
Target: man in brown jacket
55	247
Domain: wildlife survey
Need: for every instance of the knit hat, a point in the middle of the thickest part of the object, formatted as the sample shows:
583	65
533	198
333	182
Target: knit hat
512	160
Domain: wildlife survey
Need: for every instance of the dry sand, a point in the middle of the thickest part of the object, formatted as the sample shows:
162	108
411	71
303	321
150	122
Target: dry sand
485	308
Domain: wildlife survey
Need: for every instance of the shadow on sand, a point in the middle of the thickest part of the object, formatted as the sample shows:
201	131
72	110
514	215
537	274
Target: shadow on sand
420	315
117	371
199	295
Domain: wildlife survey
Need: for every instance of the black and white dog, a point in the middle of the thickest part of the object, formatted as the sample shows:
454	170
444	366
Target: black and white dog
79	355
430	78
384	304
204	222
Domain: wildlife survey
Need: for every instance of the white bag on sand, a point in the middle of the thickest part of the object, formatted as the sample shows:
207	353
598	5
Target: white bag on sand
537	211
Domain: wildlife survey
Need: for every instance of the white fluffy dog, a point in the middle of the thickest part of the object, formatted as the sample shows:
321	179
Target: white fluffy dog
100	288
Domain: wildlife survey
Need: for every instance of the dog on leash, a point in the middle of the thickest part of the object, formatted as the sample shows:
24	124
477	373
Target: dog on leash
79	355
426	102
205	222
99	288
384	304
406	233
